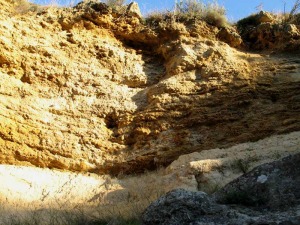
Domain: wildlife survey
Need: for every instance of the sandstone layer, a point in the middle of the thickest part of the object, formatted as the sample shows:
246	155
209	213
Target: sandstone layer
92	89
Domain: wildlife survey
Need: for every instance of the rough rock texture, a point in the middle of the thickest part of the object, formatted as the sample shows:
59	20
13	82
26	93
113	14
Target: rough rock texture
134	9
263	31
270	186
267	188
209	170
90	89
274	36
45	193
230	36
183	207
265	17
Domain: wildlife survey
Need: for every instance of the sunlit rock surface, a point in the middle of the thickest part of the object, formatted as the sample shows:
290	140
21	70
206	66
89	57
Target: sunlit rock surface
83	89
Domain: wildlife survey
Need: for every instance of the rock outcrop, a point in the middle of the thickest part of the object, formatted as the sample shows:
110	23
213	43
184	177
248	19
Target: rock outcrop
270	191
230	36
263	31
49	193
184	207
134	9
91	89
271	186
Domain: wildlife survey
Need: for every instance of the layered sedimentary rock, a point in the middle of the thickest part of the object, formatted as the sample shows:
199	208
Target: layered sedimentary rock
92	89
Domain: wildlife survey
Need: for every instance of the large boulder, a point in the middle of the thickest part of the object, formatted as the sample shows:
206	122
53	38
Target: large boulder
269	194
134	9
186	207
273	186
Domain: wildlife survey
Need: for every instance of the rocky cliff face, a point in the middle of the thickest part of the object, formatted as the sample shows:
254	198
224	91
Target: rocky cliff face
92	89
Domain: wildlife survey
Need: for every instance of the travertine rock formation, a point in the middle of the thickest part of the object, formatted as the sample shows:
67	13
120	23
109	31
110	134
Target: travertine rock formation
91	89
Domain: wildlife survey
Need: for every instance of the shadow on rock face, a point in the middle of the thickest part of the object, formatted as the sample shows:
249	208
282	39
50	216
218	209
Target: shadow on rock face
269	194
271	186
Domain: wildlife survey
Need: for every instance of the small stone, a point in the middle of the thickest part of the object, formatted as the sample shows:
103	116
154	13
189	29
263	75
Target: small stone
262	179
134	9
265	17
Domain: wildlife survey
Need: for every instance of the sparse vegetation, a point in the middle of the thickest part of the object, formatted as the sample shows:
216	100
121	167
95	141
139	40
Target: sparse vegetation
296	19
212	13
241	165
190	10
155	17
23	6
284	18
244	165
66	219
292	16
119	202
115	3
137	194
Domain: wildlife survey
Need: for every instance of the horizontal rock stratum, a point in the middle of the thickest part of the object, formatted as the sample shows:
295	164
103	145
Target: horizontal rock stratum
90	89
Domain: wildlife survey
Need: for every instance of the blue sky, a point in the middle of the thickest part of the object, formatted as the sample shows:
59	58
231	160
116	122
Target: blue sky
236	9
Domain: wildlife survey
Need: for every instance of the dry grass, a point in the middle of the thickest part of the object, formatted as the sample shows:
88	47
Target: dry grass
284	17
117	201
24	6
294	16
115	3
212	13
107	200
190	10
293	11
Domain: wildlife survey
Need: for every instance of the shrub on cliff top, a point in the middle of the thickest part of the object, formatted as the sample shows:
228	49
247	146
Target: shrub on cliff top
23	6
191	10
212	12
296	19
115	3
293	16
293	12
